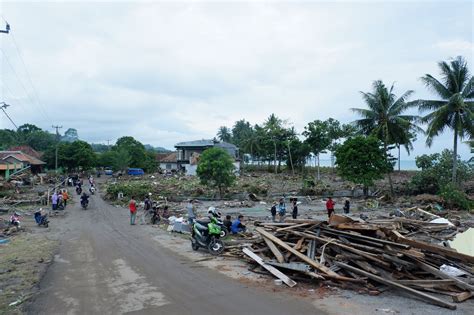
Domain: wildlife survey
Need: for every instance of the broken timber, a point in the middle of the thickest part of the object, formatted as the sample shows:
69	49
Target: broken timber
274	250
277	273
419	294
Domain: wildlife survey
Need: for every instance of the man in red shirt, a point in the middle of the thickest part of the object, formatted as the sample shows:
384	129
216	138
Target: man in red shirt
330	206
133	210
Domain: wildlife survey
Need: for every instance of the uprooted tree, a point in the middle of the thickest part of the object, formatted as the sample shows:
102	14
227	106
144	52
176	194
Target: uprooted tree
216	169
362	161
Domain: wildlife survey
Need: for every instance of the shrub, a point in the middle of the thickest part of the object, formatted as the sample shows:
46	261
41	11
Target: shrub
139	190
455	198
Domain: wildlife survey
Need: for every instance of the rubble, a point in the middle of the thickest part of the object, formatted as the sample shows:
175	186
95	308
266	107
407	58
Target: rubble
396	252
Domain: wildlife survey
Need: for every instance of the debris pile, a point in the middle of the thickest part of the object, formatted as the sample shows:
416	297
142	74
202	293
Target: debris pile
368	256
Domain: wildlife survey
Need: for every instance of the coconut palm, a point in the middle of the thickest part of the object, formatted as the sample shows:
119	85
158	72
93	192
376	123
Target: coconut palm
384	118
455	108
224	134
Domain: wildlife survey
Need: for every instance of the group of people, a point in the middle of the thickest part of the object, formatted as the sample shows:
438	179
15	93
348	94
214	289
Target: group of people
236	226
280	208
59	199
330	206
150	210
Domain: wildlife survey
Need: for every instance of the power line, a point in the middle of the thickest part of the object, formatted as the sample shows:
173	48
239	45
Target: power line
3	107
20	81
28	73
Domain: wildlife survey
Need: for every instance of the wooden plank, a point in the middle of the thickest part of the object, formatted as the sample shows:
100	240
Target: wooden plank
427	282
461	297
274	250
303	257
433	248
424	296
460	284
277	273
292	227
363	237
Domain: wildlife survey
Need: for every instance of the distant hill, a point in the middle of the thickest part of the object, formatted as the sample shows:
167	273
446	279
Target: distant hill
70	135
149	147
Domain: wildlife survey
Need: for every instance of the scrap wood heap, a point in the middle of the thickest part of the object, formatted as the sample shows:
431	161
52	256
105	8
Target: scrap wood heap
369	256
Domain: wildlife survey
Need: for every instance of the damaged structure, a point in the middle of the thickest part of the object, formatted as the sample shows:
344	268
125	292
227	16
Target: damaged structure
188	154
15	161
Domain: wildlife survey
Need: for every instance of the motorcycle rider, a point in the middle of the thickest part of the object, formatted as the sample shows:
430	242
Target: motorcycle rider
15	219
84	199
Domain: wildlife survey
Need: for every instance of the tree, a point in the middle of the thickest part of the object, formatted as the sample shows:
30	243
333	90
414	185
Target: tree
362	161
216	169
8	138
455	109
135	149
224	134
81	155
383	119
316	133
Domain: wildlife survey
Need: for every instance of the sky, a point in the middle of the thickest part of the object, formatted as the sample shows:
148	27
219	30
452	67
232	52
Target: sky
165	72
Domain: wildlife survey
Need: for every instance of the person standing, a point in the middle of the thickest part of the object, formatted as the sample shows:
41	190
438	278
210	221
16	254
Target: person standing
347	206
65	197
191	214
273	210
54	201
133	210
294	213
282	209
330	206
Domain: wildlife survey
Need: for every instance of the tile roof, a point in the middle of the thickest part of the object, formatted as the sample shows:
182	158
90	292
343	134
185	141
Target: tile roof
28	150
23	157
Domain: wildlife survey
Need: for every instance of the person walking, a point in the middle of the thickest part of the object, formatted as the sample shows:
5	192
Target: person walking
54	200
133	210
282	209
294	213
347	206
273	211
65	197
330	206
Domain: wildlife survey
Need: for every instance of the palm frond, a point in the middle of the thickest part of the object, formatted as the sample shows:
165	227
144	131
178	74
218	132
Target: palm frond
436	86
429	105
468	91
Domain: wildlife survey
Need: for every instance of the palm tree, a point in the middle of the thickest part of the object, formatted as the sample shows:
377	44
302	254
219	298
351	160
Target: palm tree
455	109
384	118
224	134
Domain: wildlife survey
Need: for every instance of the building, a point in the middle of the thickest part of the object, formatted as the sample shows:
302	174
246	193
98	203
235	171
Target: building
188	153
168	161
14	161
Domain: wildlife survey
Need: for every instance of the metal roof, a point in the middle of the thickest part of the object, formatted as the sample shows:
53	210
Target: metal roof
205	143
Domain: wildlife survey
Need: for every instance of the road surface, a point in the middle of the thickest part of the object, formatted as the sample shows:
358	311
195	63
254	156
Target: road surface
106	266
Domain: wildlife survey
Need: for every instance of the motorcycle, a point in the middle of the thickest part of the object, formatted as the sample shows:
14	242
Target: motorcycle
155	218
41	220
78	190
84	204
207	235
92	190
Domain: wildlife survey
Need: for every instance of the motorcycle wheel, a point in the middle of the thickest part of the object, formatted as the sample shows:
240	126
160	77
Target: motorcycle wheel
194	245
46	225
224	233
215	246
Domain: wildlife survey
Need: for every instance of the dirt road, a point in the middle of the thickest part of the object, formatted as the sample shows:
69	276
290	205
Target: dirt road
106	266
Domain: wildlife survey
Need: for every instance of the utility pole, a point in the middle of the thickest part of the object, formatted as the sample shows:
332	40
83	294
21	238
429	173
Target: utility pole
57	145
108	144
3	107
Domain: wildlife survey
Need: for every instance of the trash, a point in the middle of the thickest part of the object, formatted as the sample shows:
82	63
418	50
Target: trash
452	271
464	242
278	282
4	241
442	221
17	302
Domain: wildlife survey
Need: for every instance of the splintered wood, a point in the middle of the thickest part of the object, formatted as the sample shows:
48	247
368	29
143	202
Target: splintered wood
366	255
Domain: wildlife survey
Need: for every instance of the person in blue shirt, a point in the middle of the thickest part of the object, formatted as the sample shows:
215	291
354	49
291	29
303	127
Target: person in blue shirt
237	226
282	209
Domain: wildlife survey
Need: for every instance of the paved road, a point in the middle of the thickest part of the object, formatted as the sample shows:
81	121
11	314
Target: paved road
106	266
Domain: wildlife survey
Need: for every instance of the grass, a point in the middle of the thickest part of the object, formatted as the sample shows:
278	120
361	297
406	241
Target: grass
22	263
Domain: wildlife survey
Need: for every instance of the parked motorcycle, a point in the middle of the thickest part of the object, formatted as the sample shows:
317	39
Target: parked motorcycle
41	220
207	235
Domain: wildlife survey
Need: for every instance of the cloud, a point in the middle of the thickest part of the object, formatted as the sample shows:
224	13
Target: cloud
166	72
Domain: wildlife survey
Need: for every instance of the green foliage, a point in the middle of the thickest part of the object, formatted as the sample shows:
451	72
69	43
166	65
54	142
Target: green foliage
8	138
361	160
73	156
138	190
118	160
317	136
455	198
300	151
216	169
436	172
224	134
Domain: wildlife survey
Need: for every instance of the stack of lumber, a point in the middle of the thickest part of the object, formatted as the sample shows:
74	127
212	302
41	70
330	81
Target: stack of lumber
368	256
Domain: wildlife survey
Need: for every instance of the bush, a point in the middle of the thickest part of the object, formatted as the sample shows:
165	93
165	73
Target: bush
436	171
455	198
